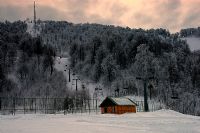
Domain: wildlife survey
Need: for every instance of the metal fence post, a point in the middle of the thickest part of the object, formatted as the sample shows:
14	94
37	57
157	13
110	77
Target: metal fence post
13	106
24	105
89	105
46	106
54	105
35	105
96	105
0	102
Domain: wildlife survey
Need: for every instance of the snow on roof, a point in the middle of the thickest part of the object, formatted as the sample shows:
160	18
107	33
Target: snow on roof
122	101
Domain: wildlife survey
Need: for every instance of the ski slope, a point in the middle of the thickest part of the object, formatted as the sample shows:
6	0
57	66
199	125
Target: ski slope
30	28
163	121
60	65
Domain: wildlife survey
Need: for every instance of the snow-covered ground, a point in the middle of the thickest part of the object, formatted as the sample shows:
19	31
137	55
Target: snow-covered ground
193	42
163	121
31	30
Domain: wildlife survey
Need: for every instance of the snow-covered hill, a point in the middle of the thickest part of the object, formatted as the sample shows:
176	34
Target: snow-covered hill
193	42
163	121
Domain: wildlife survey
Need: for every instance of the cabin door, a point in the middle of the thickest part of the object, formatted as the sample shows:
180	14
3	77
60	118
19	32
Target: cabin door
105	110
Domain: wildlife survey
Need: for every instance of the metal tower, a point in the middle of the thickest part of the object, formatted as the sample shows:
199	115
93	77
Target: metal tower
34	15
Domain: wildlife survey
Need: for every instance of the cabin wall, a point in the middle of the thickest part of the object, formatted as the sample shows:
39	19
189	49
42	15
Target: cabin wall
125	109
118	109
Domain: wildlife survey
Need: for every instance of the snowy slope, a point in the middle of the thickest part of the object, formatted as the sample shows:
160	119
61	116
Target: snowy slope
60	65
193	42
163	121
30	28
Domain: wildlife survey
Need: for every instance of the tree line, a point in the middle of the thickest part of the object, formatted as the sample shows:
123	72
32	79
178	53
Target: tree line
27	65
190	32
115	56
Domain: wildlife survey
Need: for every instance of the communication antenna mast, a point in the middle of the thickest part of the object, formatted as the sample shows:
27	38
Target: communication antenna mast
34	21
34	15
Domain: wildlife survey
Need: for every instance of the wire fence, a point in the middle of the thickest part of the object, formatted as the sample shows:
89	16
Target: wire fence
153	106
47	105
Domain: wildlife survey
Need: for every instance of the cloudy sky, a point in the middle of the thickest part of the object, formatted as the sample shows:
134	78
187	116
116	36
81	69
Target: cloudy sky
170	14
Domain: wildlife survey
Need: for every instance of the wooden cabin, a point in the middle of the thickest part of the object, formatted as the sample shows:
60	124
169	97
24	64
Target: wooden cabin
118	105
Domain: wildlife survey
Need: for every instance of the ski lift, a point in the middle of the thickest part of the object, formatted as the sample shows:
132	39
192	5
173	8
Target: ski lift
99	91
174	95
73	74
117	91
102	93
96	89
83	86
125	92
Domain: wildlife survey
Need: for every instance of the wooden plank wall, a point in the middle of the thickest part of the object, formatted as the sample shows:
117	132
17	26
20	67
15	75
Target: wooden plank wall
119	109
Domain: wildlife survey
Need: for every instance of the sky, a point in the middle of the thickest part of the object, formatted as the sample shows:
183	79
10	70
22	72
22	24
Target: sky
170	14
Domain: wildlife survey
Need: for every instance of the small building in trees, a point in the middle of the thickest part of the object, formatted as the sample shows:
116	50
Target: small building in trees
118	105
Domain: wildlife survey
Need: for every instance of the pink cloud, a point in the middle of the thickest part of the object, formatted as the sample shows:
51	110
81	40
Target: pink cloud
171	14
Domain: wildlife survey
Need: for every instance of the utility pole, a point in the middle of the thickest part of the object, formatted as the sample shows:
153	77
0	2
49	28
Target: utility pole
150	87
76	90
69	75
76	83
145	82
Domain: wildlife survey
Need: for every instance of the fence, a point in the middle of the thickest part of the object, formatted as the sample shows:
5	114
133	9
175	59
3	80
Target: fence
153	106
59	105
47	105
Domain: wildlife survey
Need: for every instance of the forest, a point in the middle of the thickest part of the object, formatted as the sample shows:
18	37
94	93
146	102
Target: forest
190	32
26	65
116	56
112	56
